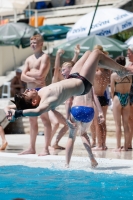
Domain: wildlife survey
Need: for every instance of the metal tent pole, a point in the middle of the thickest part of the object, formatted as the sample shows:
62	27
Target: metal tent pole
93	17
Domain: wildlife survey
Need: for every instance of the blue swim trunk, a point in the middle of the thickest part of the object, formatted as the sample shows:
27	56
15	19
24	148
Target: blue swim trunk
36	89
82	113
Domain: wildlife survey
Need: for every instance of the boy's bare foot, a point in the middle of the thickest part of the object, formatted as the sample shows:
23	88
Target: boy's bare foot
105	148
124	72
28	151
97	148
124	149
93	145
93	163
56	146
117	150
44	153
67	165
3	146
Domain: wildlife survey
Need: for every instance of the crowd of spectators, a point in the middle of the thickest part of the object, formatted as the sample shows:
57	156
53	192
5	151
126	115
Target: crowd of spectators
43	5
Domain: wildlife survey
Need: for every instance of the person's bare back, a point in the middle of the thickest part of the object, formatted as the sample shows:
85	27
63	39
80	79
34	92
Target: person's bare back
102	79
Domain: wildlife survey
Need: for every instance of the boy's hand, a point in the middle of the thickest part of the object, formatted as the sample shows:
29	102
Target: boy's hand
10	115
60	52
71	125
101	118
77	49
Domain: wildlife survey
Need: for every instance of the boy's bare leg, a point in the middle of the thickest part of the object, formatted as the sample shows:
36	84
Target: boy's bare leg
79	64
130	127
101	137
48	132
54	122
59	136
87	145
87	67
4	142
33	135
125	119
62	131
93	134
117	119
101	132
70	145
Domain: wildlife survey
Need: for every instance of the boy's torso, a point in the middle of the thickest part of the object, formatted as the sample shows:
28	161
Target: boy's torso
59	92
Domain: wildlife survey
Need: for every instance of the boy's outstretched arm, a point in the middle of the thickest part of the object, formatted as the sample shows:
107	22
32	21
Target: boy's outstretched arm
12	114
57	65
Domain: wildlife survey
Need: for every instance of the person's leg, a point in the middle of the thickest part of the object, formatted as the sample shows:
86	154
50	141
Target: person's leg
62	131
83	127
71	139
54	122
70	145
100	131
130	122
33	134
88	63
93	133
13	92
117	118
4	141
104	129
93	128
125	120
47	132
79	64
87	145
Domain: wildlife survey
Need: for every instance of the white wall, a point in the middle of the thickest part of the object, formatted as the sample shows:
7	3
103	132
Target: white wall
12	57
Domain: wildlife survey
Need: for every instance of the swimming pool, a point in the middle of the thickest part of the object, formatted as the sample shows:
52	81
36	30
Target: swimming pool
30	183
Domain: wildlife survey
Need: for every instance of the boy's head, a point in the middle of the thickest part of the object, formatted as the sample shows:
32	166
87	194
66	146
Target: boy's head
36	42
18	73
66	68
130	53
27	100
37	37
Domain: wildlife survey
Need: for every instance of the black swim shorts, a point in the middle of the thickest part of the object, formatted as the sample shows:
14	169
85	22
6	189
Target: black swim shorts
131	98
103	100
86	83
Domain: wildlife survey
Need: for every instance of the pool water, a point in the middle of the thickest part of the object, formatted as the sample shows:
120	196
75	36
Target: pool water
51	184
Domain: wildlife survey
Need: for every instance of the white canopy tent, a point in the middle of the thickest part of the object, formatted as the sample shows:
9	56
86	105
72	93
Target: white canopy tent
129	41
107	21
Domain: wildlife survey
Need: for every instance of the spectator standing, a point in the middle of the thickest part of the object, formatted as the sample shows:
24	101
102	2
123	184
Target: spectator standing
130	57
17	86
101	81
120	88
69	2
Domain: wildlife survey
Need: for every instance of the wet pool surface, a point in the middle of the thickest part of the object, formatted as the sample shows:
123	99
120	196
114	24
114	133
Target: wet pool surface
29	183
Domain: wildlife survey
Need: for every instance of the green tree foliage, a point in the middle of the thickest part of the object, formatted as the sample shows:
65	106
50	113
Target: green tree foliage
123	36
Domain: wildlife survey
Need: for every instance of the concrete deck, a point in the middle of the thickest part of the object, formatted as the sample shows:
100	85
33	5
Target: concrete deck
109	161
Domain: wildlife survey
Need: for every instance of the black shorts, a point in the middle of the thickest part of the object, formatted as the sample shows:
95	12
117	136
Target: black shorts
103	100
131	98
86	83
